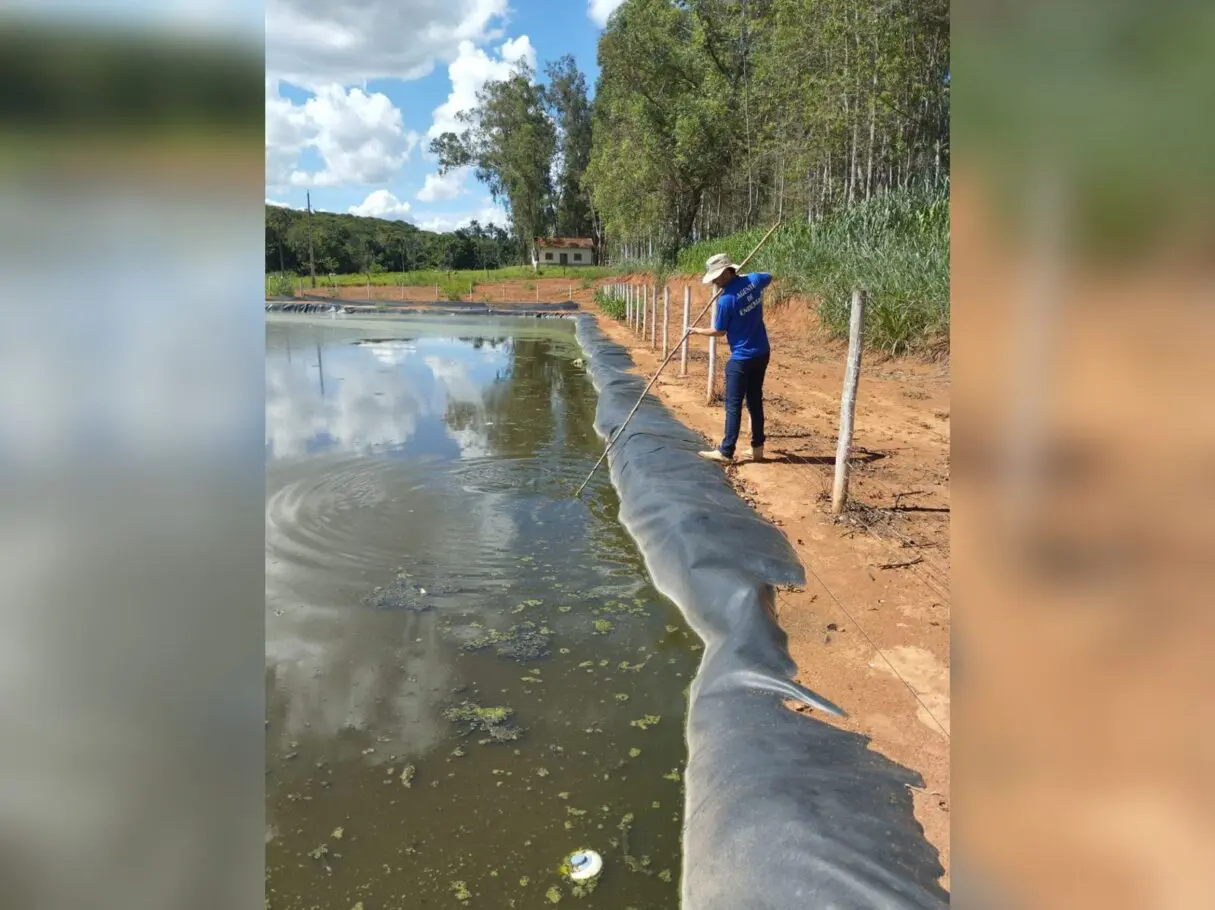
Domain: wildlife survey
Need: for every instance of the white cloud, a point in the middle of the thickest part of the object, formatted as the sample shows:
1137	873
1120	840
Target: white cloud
471	69
382	204
360	136
315	42
445	222
600	10
440	188
277	204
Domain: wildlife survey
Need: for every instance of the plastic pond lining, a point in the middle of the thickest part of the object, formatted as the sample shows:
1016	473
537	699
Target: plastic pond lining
782	810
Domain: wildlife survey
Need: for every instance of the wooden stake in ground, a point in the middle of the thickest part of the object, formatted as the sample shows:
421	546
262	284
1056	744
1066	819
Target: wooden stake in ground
683	347
666	318
712	355
852	376
645	307
628	304
662	365
654	320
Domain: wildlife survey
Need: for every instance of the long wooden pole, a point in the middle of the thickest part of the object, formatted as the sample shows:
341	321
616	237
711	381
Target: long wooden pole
712	357
667	360
852	375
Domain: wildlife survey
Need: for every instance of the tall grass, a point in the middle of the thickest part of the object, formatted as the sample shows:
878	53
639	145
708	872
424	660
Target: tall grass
610	303
894	246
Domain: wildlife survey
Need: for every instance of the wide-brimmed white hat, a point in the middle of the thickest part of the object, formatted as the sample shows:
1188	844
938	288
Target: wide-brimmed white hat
715	265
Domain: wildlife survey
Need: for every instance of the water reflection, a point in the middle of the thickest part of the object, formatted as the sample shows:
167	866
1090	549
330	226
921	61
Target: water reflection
387	455
437	466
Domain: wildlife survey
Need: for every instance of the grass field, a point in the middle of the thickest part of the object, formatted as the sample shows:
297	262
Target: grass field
452	285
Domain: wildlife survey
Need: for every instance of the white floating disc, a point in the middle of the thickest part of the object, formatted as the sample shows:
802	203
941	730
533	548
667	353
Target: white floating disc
584	865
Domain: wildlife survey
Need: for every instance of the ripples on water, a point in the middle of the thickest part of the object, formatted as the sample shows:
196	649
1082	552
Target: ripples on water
419	495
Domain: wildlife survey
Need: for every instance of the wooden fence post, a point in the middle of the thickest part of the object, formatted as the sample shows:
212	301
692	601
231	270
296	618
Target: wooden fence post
852	375
712	355
666	320
654	320
645	306
628	304
683	353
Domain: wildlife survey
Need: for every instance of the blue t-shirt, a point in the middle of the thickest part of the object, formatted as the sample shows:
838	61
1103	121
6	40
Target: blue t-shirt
740	314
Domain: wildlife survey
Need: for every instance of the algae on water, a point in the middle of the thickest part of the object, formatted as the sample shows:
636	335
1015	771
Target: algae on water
521	642
494	721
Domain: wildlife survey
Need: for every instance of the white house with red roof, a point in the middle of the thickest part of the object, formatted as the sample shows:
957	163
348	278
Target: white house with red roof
557	251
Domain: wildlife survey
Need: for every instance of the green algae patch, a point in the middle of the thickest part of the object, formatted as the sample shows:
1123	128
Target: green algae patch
603	626
494	721
407	775
521	642
673	774
621	697
634	752
646	722
460	890
553	895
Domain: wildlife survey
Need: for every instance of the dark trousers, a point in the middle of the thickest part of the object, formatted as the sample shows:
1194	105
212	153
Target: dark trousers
744	380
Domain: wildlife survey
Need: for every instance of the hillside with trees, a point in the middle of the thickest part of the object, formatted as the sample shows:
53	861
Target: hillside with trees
353	244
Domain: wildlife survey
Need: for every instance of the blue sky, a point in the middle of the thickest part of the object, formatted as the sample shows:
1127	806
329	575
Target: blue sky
356	88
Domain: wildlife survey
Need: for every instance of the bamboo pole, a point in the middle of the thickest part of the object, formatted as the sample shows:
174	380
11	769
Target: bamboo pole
852	376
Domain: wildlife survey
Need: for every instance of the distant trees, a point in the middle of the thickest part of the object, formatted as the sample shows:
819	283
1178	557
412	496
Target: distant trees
511	141
349	244
570	107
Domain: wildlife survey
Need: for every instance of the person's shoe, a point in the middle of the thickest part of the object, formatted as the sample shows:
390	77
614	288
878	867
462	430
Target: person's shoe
716	455
757	453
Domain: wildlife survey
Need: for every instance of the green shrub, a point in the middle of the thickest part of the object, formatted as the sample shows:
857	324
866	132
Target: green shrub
280	285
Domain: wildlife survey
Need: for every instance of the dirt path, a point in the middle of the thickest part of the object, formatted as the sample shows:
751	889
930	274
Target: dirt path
855	598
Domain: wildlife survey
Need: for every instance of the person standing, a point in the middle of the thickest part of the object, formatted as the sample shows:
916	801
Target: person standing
740	318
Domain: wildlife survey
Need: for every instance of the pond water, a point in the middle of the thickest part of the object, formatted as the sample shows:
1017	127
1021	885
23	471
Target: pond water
468	673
